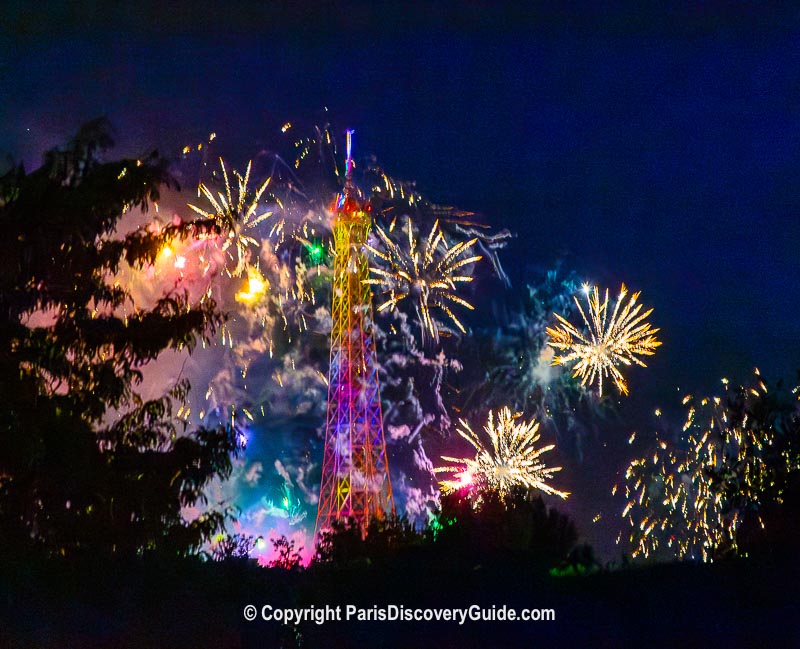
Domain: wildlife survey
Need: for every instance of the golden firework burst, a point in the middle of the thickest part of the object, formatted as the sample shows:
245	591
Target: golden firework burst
510	459
427	273
615	337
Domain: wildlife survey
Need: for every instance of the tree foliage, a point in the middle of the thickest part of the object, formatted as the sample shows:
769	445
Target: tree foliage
287	555
234	547
520	524
87	464
465	533
347	544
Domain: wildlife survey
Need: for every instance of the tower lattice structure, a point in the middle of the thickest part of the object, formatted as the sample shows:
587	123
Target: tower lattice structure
355	471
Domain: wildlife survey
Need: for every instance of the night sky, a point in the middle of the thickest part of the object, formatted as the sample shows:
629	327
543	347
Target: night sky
659	149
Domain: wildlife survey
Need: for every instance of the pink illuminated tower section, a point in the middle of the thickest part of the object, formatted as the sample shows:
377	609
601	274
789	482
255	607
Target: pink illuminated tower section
355	472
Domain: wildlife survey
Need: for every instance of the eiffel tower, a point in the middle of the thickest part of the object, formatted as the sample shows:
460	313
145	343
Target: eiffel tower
355	472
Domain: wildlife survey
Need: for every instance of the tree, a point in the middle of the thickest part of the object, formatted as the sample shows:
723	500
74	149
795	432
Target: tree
347	544
521	524
288	557
86	464
234	547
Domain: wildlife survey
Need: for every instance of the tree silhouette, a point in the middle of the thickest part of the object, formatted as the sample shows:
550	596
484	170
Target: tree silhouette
234	546
347	544
520	524
288	557
86	464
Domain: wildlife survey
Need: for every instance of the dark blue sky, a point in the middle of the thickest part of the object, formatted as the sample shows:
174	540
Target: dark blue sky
657	148
662	149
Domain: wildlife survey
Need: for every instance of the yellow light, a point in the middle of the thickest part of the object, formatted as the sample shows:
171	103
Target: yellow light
256	288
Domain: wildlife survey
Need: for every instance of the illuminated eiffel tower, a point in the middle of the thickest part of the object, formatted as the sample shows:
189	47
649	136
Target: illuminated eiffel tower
355	472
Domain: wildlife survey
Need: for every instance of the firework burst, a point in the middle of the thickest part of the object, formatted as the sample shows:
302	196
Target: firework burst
511	459
426	273
235	217
612	340
692	499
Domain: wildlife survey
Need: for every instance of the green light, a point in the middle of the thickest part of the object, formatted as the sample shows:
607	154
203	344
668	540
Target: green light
436	525
316	253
